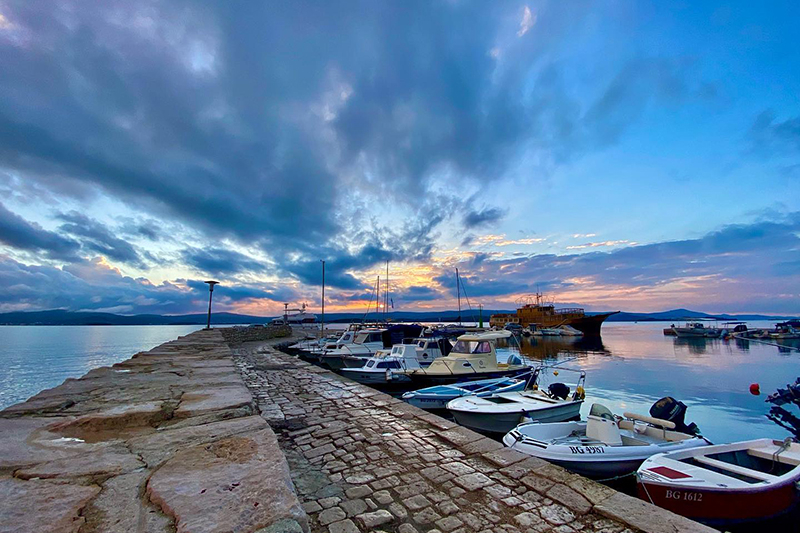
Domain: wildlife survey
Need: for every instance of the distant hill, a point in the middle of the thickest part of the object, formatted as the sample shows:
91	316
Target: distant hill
58	317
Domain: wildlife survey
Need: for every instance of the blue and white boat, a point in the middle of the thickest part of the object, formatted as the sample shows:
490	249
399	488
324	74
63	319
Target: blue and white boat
436	397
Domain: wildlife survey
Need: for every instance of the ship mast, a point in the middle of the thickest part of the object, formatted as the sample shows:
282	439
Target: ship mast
458	292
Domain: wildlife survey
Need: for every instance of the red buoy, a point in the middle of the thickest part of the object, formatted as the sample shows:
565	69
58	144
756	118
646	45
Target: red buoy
755	390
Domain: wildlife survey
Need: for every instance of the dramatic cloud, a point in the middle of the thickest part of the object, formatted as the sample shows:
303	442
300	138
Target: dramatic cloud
17	232
175	139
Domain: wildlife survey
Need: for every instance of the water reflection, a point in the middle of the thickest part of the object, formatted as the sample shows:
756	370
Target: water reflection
633	365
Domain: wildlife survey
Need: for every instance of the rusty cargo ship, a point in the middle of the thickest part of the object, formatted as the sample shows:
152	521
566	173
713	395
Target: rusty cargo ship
545	315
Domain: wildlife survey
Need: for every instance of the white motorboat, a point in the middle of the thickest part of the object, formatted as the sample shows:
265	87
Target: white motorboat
353	355
382	368
605	445
697	329
725	484
503	411
436	397
474	356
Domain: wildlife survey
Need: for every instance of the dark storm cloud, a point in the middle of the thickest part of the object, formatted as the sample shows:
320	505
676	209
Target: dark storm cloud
92	285
241	120
96	238
18	233
219	261
485	217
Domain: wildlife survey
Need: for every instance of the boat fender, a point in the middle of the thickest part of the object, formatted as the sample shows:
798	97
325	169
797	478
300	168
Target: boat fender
640	427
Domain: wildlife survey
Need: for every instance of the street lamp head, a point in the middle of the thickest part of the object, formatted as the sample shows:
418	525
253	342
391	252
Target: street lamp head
211	285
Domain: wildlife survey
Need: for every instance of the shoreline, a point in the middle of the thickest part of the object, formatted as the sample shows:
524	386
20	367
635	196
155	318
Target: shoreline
185	435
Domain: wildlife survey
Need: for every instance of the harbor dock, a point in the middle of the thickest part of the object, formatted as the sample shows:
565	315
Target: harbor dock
219	431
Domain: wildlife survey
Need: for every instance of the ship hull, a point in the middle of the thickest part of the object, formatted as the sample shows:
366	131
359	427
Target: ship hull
590	325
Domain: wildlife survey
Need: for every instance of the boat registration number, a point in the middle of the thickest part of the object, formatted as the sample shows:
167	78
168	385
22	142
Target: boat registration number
586	449
685	496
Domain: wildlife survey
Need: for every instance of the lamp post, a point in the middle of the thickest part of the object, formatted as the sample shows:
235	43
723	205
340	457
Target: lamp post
210	294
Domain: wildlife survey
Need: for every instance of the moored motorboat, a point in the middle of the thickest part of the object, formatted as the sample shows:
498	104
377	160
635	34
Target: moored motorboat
606	446
381	368
366	343
725	484
436	397
697	329
474	356
501	412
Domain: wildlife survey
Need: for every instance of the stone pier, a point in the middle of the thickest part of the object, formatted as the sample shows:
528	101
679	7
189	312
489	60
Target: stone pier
199	436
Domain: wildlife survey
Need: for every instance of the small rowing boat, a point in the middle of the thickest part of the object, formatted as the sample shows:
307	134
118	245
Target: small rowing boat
725	484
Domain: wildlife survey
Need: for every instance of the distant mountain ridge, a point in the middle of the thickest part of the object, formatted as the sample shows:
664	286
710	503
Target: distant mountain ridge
60	317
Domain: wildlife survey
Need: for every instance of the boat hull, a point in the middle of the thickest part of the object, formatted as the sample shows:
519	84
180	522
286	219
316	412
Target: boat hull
505	422
721	507
422	379
373	378
337	362
590	325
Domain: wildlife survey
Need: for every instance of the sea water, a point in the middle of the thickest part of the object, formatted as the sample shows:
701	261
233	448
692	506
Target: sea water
33	358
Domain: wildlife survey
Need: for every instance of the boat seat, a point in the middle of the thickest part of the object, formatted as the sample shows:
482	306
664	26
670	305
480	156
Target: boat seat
604	430
785	457
736	469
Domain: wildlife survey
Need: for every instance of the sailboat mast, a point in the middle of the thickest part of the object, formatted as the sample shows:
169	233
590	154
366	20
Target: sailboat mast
378	299
458	292
322	330
386	298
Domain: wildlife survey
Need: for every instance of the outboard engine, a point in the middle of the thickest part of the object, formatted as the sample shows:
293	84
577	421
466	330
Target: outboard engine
558	390
668	408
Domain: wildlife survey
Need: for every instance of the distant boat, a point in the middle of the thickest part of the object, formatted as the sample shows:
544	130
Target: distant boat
296	317
545	315
696	329
725	484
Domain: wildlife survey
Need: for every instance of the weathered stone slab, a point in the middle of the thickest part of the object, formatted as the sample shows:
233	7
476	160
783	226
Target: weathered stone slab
42	506
155	448
218	399
647	517
26	441
104	462
239	483
119	508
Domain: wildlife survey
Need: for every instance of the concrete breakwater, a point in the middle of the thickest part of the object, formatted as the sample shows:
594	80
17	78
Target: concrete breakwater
198	435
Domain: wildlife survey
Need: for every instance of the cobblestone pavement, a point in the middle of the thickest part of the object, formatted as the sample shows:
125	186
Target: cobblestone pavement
364	461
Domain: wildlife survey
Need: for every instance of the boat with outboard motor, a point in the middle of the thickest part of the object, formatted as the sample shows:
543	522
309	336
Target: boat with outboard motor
606	445
697	329
436	397
725	484
501	412
474	356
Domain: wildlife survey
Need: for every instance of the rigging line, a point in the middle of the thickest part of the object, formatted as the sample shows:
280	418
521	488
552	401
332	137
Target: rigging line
467	297
369	306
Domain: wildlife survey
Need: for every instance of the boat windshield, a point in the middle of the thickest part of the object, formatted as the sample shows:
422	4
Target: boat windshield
472	347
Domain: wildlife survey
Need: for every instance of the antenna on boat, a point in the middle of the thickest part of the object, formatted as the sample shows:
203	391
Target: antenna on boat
322	329
386	296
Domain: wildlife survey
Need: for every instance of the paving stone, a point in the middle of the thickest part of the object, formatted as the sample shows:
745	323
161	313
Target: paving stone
358	492
312	507
448	507
375	518
353	507
556	514
427	516
448	523
417	502
383	497
570	498
343	526
406	528
474	481
458	468
329	501
328	516
398	510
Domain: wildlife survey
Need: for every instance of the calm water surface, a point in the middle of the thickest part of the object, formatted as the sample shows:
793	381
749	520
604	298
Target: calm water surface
33	358
635	364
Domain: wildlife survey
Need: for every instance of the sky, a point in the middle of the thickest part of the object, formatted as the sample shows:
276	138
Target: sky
640	156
